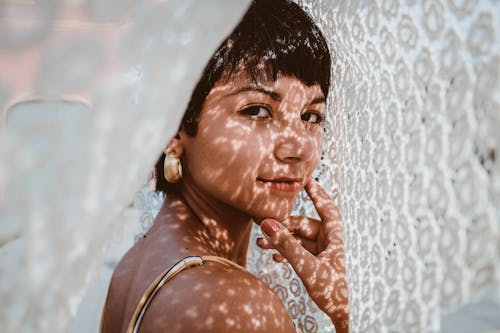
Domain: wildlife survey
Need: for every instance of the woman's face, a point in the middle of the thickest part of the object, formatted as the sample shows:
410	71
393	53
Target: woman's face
257	144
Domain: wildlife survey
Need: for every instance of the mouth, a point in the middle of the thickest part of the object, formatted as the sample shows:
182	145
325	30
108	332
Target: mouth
282	184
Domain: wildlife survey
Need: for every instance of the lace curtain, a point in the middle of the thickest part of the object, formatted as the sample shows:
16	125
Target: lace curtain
90	93
91	90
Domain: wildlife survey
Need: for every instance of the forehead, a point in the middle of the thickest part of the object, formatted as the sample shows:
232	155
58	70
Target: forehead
284	86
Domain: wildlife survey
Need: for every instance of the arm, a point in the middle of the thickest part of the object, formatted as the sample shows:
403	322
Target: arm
315	249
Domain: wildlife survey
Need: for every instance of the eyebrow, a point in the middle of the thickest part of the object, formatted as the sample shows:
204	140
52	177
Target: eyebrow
274	95
318	100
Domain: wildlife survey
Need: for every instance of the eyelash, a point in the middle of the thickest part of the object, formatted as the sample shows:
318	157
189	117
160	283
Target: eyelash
320	119
250	111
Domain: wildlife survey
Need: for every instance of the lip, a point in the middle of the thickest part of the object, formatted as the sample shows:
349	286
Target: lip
282	184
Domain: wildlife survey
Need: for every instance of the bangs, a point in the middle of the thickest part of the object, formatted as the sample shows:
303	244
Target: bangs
274	38
271	42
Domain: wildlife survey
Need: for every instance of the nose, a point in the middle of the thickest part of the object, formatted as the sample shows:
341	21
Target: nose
294	146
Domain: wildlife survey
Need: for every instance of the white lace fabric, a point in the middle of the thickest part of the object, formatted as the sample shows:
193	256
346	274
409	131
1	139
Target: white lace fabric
413	143
411	156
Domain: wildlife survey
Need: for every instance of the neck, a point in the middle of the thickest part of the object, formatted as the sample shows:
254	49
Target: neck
223	228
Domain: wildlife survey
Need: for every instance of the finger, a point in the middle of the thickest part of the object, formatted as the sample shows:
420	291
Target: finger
309	245
303	262
304	226
325	207
264	243
279	258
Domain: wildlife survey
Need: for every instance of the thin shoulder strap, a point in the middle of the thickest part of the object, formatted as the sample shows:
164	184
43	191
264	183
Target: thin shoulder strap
166	276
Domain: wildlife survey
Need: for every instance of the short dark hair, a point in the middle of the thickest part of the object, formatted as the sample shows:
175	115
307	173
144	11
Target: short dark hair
274	37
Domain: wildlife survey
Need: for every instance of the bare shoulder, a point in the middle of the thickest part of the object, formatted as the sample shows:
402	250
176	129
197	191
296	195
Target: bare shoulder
117	308
216	298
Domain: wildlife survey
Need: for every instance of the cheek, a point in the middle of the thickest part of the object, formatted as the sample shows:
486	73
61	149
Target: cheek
316	149
224	159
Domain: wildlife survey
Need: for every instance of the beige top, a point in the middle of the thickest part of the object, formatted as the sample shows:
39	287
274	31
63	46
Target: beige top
162	279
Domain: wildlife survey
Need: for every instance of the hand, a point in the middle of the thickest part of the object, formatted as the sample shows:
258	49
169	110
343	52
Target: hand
315	249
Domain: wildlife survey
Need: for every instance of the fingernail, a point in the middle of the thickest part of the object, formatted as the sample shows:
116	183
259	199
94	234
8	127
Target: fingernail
269	227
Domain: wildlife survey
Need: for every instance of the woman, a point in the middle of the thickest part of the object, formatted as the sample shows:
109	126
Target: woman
249	141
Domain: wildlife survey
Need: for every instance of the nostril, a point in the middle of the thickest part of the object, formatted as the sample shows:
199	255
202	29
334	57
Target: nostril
290	151
297	146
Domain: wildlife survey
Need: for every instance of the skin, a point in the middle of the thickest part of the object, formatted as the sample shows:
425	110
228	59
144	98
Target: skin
315	249
251	136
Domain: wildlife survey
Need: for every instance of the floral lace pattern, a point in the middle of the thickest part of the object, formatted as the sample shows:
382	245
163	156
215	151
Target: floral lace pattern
413	143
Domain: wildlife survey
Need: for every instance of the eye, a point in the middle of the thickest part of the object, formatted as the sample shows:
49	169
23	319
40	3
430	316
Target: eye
313	117
257	111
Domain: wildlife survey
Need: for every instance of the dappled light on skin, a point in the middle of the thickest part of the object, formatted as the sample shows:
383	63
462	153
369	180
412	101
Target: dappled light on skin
326	277
273	144
257	146
216	297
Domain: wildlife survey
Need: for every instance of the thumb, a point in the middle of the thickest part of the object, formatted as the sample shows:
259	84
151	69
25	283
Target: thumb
302	261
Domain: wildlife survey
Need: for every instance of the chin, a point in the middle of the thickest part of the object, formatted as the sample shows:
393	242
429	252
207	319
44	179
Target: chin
277	214
271	206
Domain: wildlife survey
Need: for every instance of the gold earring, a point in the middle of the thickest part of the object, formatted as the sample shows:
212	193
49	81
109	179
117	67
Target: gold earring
172	168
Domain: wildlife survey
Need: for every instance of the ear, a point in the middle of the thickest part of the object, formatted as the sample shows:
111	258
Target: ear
175	146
